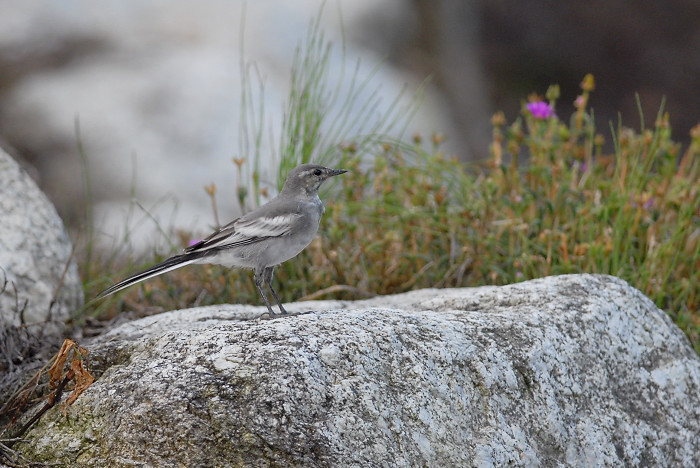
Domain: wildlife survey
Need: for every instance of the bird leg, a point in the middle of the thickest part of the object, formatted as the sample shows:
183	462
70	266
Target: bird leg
268	279
259	279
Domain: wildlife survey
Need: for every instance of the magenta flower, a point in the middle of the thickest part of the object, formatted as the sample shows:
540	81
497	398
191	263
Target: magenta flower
540	109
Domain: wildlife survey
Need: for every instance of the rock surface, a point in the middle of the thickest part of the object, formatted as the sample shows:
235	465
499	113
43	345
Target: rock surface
575	370
35	251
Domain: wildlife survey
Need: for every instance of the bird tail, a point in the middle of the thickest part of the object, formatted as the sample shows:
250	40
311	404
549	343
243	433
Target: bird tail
173	263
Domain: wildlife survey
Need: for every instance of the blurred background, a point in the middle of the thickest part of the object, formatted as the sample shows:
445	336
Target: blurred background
155	86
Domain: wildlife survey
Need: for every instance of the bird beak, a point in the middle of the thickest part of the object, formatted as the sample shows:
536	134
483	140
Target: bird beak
335	172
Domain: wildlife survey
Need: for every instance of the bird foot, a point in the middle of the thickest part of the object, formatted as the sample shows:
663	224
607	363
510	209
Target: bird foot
267	316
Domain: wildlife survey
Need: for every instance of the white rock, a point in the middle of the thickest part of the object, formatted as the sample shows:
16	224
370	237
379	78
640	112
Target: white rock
34	253
574	370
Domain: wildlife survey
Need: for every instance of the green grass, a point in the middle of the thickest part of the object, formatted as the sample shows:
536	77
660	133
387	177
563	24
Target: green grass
549	200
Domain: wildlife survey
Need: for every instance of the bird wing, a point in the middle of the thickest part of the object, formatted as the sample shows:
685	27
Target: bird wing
245	231
242	231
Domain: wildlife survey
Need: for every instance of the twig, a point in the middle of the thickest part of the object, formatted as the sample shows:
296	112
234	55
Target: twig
54	398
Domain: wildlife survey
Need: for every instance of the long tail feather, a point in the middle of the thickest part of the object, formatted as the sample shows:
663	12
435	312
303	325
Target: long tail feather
173	263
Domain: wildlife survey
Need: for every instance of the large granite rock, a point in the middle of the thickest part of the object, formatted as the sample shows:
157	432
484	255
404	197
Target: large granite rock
35	251
573	370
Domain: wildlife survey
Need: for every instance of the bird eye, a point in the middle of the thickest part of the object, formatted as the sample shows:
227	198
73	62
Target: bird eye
317	172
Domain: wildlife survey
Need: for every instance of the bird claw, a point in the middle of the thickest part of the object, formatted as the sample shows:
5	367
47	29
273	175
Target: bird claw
267	316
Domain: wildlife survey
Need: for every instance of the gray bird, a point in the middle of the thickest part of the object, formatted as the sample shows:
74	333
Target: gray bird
260	240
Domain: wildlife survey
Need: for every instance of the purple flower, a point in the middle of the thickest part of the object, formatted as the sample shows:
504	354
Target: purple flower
649	203
540	109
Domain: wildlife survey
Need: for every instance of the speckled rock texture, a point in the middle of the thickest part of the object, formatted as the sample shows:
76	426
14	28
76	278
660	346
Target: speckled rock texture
575	370
34	253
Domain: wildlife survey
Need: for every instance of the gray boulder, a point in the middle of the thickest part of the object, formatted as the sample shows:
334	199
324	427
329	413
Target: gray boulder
575	370
34	253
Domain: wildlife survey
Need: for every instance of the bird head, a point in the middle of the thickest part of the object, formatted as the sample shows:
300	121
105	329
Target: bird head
309	177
